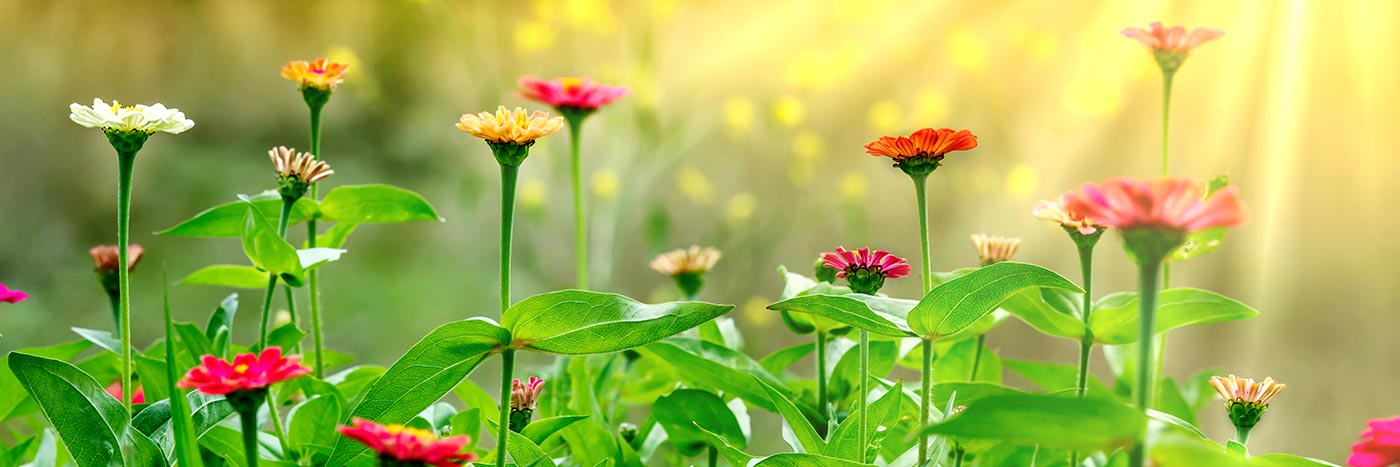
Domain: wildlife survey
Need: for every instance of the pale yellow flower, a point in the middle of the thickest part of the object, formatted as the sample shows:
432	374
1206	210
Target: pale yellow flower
301	166
138	118
993	249
680	261
515	127
1245	390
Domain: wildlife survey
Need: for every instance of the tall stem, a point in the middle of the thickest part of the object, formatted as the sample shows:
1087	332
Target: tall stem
507	370
1166	117
926	375
1086	343
977	357
276	421
580	225
921	196
282	219
821	371
714	457
508	176
864	393
249	422
1147	312
925	398
126	162
313	284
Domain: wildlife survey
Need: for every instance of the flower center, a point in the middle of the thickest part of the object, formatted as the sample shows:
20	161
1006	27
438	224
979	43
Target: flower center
415	432
240	369
571	83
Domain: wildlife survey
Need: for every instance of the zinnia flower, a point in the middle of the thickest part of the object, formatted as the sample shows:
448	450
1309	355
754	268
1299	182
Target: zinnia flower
1170	46
865	271
1155	215
523	396
139	118
569	92
993	249
108	259
115	389
1055	211
247	372
1379	446
923	151
510	127
8	295
683	260
401	445
296	172
320	74
1245	399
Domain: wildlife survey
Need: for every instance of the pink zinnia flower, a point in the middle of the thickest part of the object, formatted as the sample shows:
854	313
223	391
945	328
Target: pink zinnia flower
1169	203
247	372
1055	211
11	296
1173	39
1379	446
405	444
577	93
523	395
107	257
848	262
115	389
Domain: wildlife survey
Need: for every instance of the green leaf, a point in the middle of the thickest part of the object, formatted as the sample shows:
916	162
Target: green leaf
805	460
779	361
1115	317
883	412
226	220
794	420
684	412
430	369
1047	421
103	339
228	275
540	430
854	310
577	322
311	424
12	394
707	366
960	302
1055	376
265	248
1038	309
953	362
222	317
375	204
335	236
525	452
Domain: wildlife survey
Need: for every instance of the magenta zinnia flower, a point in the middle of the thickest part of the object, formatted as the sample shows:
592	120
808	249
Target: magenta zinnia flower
863	270
574	93
247	372
1175	38
409	445
1169	203
8	295
1379	446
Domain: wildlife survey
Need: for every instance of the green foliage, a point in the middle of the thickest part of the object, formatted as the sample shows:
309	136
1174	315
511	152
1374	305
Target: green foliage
227	220
577	322
375	204
958	303
1114	320
1045	420
228	275
685	412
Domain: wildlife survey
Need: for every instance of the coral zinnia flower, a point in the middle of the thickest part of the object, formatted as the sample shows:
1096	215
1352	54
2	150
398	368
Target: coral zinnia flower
923	151
1379	446
1168	203
1175	38
115	389
108	259
320	74
569	92
301	166
247	372
1055	211
11	296
144	119
517	127
863	270
681	261
408	445
993	249
523	395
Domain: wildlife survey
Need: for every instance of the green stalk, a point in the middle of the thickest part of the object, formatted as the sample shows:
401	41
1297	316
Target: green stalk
925	398
921	198
864	393
507	370
508	176
921	195
126	163
1086	343
249	421
276	421
1242	436
580	225
821	371
714	456
977	357
116	301
958	454
282	220
313	284
1166	114
1161	341
1147	311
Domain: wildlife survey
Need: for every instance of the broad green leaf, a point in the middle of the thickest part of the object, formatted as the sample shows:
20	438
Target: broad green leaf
335	236
1055	377
794	285
845	376
794	420
227	443
226	220
222	317
805	460
311	424
1048	421
853	310
1179	450
228	275
14	400
540	430
684	412
103	339
577	322
1115	318
206	413
945	394
265	248
952	362
524	452
1038	309
375	204
884	414
430	369
960	302
1286	460
1199	243
779	361
707	366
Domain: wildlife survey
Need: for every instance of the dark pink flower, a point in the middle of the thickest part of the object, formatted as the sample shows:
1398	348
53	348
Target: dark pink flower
1168	203
569	92
1175	38
845	261
247	372
11	296
523	395
1379	446
115	389
405	444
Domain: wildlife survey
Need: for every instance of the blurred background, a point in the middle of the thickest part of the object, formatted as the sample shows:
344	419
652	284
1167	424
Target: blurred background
743	131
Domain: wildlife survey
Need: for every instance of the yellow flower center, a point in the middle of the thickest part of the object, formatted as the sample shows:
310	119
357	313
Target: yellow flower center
117	107
415	432
571	83
241	369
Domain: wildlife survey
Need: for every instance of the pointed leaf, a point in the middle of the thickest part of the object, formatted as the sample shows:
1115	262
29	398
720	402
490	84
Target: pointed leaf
854	310
226	220
577	322
960	302
684	412
1047	421
228	275
265	248
375	204
1115	317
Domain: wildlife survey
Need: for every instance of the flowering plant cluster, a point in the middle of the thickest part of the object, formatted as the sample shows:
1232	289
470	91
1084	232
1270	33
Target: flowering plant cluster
631	384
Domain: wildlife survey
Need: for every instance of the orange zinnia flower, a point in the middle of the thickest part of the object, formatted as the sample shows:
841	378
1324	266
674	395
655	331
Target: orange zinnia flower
320	74
923	151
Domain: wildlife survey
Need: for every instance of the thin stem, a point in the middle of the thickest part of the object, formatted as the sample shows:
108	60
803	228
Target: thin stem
292	313
249	421
1166	116
508	176
507	368
958	454
115	299
977	357
864	393
126	163
580	225
821	371
266	310
925	398
276	421
1147	312
1242	436
283	219
313	284
921	196
714	456
1086	343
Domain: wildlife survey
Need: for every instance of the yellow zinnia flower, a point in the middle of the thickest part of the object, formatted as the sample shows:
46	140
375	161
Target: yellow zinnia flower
510	127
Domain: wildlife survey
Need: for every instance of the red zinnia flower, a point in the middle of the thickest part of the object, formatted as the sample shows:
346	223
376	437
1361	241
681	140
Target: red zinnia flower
845	261
404	444
115	389
8	295
928	143
1174	39
1169	203
1379	446
247	372
577	93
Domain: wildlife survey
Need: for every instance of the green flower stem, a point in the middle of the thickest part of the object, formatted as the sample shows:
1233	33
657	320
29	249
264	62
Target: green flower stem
921	195
977	357
958	454
1166	114
1161	341
313	284
276	421
1147	312
115	299
126	162
580	224
1086	343
282	219
249	421
925	398
821	371
864	393
1242	435
508	176
507	370
714	456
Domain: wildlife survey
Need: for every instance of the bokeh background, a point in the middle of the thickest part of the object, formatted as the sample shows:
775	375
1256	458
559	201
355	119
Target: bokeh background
743	131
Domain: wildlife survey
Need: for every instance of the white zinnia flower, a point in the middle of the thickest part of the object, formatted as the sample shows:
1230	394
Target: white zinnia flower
138	118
